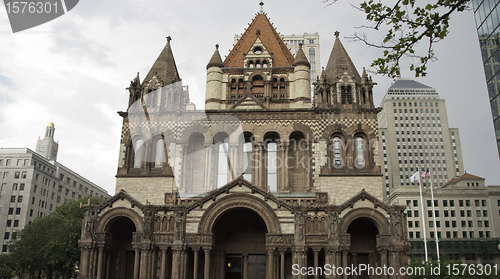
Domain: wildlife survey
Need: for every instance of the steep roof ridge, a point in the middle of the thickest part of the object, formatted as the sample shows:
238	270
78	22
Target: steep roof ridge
216	60
235	58
301	59
164	67
339	58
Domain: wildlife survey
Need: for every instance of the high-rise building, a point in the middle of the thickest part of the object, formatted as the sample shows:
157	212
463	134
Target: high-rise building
414	133
35	184
262	179
467	217
487	22
310	45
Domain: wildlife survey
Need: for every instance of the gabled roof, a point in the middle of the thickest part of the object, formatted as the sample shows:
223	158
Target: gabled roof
462	177
339	63
406	83
262	27
239	182
215	61
164	68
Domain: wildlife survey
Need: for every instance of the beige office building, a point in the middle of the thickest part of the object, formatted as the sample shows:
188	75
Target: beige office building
33	184
414	133
467	219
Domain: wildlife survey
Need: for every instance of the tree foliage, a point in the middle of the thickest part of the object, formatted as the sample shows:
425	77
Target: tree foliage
49	245
407	23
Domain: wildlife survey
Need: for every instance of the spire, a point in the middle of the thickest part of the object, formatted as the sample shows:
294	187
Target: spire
340	62
164	68
301	59
215	61
261	7
282	57
47	147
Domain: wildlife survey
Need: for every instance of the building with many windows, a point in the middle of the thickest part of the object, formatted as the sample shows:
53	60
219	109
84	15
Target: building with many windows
487	14
467	219
33	185
414	133
260	180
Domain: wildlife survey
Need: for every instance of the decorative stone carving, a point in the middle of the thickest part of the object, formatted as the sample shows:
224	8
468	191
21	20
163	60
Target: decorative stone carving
284	239
89	222
321	197
316	224
148	223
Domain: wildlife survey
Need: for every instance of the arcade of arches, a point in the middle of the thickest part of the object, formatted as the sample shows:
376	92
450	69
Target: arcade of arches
238	231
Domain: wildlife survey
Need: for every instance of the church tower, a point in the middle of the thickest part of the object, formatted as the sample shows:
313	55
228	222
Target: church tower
259	73
340	85
47	147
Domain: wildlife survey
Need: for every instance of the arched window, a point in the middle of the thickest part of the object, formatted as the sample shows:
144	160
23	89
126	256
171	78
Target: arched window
195	178
297	163
250	64
264	64
272	166
258	87
222	170
160	153
247	155
257	64
360	152
234	89
240	88
346	94
337	152
138	153
282	88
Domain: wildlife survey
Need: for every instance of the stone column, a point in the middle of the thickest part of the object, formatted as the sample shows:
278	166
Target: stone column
163	268
176	262
92	262
269	263
344	262
195	271
137	262
354	263
100	262
208	168
371	262
144	264
207	263
316	261
282	264
84	262
257	170
383	261
245	266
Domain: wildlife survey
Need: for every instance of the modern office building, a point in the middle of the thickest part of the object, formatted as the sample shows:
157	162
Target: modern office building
193	206
414	133
34	184
310	45
487	14
467	219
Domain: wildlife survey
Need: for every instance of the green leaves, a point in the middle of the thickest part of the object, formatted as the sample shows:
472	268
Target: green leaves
49	245
408	26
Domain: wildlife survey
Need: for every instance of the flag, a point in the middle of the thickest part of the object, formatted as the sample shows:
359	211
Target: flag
414	177
426	173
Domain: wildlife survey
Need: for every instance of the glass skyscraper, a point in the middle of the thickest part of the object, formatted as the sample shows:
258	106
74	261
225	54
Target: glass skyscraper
487	14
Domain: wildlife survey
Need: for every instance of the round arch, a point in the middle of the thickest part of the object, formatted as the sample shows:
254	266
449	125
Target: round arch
235	201
378	219
108	218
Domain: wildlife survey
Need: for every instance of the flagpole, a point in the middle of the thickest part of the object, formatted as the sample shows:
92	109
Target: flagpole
423	215
434	214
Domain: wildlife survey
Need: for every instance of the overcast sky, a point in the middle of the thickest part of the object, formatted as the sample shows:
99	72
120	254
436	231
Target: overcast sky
75	69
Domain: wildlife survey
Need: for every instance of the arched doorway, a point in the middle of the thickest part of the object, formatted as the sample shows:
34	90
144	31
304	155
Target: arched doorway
363	244
121	253
240	245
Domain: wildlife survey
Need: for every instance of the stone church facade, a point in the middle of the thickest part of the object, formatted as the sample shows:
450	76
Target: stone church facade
264	181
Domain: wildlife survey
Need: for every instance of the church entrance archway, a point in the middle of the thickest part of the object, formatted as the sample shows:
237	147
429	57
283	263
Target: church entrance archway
121	253
240	245
363	249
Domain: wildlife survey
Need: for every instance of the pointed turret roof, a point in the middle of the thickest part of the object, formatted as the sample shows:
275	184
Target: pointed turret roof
260	27
215	61
164	68
340	62
301	59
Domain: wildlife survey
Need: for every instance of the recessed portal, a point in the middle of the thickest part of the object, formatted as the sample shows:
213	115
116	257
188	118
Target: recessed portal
121	253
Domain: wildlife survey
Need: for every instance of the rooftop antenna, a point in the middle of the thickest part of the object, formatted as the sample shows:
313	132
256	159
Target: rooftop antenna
261	7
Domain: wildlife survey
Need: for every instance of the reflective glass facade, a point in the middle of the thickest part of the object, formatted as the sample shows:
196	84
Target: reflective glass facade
487	14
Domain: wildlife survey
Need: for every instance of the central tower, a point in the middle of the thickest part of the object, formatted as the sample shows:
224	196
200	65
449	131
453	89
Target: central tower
259	73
